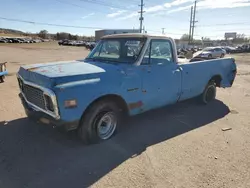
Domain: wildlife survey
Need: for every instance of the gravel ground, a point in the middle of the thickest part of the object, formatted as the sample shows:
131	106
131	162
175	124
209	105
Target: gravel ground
181	146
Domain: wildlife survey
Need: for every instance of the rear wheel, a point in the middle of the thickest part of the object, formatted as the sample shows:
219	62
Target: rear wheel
100	122
209	56
209	93
222	55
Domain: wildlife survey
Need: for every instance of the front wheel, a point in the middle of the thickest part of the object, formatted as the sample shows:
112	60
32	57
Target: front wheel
222	55
100	122
209	93
1	79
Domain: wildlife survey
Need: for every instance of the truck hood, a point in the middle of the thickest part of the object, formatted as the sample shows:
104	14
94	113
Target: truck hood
51	74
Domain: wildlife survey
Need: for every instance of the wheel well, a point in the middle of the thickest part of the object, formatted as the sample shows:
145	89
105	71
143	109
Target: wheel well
114	98
217	79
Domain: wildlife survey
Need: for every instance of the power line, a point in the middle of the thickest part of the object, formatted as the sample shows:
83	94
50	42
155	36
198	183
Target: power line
242	29
105	4
48	24
225	24
72	4
179	34
157	31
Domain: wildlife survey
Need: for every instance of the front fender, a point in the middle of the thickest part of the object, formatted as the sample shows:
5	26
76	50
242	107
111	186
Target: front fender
127	86
84	92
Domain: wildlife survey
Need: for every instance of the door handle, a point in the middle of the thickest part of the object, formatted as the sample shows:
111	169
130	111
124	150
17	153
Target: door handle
175	71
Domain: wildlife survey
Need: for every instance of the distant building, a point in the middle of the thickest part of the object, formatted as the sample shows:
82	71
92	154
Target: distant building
231	35
100	33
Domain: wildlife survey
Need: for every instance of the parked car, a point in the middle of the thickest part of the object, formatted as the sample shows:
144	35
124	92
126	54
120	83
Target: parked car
239	49
2	40
3	71
15	40
212	52
90	45
229	49
9	40
92	95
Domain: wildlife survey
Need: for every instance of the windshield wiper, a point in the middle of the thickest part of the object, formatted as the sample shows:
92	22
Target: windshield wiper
104	60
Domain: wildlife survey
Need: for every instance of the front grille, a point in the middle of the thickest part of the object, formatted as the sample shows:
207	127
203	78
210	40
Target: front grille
32	94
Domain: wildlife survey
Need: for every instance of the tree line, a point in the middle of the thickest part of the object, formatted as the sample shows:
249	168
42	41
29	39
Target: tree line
44	34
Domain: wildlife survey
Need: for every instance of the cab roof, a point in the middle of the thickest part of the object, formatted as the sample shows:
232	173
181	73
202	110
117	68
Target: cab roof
135	35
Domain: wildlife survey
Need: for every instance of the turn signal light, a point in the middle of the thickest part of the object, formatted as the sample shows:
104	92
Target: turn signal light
70	104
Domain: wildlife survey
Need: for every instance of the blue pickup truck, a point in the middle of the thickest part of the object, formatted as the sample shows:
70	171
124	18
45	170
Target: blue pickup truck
124	75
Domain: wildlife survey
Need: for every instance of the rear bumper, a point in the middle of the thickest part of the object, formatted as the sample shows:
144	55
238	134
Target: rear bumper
45	118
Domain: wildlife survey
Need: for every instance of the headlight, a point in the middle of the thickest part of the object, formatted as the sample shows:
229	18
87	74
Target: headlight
20	82
48	102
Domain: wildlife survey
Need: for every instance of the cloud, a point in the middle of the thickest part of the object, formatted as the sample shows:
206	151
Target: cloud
131	6
88	15
115	14
180	2
215	4
202	4
128	16
157	8
154	9
179	9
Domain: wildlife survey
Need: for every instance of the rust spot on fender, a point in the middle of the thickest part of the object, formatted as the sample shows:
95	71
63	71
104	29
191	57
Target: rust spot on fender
43	70
135	105
132	89
32	68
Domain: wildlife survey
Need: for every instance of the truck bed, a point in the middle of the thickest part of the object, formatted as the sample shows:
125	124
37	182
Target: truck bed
195	75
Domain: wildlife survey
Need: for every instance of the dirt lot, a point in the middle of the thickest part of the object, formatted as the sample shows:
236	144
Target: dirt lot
181	146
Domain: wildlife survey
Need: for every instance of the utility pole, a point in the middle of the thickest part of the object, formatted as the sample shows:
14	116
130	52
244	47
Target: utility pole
163	31
141	15
190	27
194	21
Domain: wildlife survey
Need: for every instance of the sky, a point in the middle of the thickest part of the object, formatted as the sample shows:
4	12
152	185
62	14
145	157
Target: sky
214	17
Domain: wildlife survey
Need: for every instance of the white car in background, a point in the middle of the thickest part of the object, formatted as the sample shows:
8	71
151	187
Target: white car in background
212	52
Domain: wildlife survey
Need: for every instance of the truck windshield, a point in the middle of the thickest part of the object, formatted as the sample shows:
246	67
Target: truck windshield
117	50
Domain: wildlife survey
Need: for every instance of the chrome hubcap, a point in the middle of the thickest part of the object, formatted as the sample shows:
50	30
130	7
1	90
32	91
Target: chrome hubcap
106	125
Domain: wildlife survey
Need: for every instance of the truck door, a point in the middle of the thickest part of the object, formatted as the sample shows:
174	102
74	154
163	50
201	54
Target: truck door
161	76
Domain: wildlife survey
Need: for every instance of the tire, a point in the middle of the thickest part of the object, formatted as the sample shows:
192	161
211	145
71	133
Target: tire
1	79
222	55
102	115
209	56
209	93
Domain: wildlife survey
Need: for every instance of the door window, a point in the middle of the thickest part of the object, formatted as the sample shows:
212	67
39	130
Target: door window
158	52
217	49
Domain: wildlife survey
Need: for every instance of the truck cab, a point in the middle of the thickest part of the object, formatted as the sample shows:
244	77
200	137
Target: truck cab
124	75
